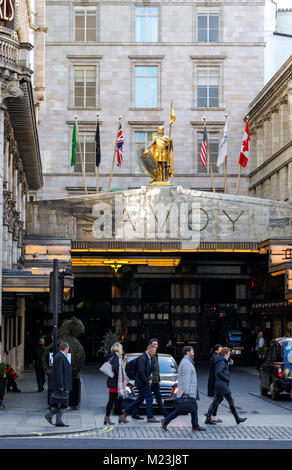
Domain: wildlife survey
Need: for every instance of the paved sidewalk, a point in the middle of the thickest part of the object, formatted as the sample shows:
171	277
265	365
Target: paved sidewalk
24	412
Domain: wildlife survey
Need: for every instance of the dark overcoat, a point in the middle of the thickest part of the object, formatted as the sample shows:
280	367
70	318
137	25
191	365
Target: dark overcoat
211	378
112	382
143	371
222	376
61	375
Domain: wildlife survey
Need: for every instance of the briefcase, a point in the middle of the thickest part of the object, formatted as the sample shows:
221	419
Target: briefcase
59	399
185	405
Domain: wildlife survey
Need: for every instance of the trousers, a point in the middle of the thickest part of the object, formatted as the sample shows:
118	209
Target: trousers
113	398
145	393
194	416
155	387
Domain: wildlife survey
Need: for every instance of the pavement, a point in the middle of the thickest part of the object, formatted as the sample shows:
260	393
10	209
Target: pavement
23	415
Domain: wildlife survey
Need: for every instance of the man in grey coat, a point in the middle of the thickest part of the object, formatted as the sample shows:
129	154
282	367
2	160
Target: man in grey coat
187	386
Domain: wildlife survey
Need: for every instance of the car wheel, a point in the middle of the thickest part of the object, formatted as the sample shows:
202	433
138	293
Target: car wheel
274	393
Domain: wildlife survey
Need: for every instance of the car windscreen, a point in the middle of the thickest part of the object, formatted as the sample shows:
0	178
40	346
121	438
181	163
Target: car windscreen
167	365
287	354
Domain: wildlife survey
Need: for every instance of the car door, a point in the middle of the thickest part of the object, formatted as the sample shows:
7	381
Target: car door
266	368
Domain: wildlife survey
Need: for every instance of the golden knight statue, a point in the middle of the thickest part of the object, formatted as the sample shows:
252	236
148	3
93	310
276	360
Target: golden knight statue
158	158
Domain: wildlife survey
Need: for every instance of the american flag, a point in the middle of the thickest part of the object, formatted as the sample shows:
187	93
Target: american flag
204	146
120	143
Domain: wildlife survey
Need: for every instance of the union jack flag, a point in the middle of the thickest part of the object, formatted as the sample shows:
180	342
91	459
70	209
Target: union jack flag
204	148
120	143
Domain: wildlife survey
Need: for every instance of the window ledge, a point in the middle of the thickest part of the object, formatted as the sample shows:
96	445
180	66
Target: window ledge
208	109
146	109
84	109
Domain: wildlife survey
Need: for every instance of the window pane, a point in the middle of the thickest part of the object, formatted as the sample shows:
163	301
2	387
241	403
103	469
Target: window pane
79	35
141	71
153	11
213	35
202	22
152	93
152	29
141	29
141	10
91	21
214	22
140	98
152	71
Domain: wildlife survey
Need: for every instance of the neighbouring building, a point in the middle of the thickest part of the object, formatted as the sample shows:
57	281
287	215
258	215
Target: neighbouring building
22	32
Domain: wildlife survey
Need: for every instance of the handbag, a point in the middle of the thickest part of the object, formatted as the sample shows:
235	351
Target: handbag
107	369
185	405
59	399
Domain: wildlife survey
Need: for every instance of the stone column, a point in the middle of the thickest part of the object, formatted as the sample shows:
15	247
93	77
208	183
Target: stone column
284	139
1	203
260	144
289	185
275	122
253	149
267	137
289	110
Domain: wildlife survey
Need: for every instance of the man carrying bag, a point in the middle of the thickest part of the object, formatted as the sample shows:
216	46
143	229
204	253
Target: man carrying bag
60	382
187	391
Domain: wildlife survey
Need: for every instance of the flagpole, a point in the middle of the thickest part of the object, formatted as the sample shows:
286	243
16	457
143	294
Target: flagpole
225	166
170	124
97	167
239	174
114	155
81	156
210	163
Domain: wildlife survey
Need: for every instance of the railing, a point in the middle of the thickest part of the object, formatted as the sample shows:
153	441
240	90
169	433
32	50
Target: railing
8	51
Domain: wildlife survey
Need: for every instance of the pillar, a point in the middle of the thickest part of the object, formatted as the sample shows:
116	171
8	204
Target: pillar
275	124
284	138
289	130
267	137
260	144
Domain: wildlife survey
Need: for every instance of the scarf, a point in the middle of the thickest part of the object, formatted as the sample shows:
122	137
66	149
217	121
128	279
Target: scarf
122	381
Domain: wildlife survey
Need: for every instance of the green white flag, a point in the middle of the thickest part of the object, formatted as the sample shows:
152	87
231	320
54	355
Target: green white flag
74	145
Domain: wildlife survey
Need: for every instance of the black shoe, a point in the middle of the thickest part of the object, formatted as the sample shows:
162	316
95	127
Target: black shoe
198	428
217	420
49	419
62	424
163	424
209	421
137	417
240	420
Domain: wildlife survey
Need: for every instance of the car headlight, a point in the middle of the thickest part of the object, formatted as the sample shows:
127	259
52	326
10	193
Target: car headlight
174	390
129	389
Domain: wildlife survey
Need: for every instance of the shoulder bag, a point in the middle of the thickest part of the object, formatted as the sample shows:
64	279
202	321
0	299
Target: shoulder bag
107	369
185	405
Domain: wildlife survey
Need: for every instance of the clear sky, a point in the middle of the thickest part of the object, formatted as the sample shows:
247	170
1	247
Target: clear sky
284	3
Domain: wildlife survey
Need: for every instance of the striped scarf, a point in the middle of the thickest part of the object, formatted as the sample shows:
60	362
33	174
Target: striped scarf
122	381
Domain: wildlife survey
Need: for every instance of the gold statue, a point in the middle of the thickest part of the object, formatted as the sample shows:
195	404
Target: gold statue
159	162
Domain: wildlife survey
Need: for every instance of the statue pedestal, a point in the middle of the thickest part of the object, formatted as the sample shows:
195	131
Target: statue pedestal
160	183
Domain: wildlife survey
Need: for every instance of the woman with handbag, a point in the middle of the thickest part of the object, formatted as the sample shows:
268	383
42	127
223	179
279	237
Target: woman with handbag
187	391
116	384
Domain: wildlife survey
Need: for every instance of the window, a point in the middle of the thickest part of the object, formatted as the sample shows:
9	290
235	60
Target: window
208	87
84	87
87	143
213	141
146	24
85	24
208	27
146	86
142	139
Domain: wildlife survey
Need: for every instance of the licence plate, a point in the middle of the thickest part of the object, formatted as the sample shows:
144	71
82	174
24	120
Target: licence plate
154	401
236	351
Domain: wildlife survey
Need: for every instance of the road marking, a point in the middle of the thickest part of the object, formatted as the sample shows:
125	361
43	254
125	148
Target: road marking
106	429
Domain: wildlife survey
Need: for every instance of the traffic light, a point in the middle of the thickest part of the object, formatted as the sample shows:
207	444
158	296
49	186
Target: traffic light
60	292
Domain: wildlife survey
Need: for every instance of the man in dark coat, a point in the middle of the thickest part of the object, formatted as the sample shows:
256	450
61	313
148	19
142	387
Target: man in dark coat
60	381
155	386
143	382
211	379
38	365
221	388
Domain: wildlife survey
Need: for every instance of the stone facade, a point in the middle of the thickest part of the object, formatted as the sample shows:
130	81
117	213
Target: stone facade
20	164
270	120
238	56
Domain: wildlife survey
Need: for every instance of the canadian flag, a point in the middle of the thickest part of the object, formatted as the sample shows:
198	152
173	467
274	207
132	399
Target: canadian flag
245	147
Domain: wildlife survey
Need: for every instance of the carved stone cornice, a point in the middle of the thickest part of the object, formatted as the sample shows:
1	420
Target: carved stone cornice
275	109
284	100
